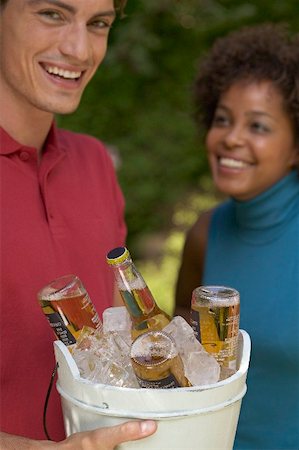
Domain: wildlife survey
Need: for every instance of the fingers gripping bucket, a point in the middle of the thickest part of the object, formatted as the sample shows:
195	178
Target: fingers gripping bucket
188	418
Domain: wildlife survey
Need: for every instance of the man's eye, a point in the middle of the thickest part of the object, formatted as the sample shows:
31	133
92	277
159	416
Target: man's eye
101	24
51	15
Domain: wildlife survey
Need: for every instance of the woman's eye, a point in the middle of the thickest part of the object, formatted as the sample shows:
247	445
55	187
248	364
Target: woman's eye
220	120
259	127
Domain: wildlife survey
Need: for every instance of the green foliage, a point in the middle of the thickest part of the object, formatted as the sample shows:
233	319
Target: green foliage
161	276
140	101
161	273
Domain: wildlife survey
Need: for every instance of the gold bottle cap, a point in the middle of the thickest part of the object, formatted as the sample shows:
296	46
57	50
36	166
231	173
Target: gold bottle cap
117	255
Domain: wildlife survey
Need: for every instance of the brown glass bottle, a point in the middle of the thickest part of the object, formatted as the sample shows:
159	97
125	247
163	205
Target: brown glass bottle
156	362
138	299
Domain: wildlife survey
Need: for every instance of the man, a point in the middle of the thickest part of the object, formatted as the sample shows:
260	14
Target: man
61	206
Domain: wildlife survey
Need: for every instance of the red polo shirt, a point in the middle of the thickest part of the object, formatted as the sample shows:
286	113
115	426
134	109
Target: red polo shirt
59	217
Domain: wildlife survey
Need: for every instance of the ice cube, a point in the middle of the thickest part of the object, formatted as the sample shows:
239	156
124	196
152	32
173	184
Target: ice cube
117	319
183	335
104	358
200	367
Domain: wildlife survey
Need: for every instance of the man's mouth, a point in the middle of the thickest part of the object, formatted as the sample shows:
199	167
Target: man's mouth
61	73
232	163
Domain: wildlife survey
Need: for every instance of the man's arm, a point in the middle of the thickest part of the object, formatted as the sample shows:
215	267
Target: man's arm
99	439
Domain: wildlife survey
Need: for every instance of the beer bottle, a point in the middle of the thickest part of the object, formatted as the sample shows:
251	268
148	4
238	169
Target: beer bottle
215	315
145	313
68	308
156	362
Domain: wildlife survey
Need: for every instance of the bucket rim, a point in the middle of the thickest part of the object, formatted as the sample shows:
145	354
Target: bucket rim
155	415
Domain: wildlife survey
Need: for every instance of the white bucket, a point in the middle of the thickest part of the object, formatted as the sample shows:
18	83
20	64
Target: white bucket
196	418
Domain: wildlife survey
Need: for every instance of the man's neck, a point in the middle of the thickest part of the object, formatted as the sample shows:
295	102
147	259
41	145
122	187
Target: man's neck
28	126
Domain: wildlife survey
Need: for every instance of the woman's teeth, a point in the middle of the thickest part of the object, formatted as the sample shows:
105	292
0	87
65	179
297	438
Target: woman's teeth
232	163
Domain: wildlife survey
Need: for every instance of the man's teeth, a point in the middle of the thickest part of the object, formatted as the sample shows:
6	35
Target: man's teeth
233	163
63	73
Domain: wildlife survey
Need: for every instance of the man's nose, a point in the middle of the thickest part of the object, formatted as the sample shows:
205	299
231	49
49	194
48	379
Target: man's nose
76	44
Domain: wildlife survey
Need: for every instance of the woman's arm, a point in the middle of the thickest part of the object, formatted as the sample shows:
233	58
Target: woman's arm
192	264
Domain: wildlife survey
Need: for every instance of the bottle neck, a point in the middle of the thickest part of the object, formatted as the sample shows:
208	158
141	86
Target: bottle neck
133	289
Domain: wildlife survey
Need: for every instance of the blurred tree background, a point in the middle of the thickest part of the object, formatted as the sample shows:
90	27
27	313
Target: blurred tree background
140	104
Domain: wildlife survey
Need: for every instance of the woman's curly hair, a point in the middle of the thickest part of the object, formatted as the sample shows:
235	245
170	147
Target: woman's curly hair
256	53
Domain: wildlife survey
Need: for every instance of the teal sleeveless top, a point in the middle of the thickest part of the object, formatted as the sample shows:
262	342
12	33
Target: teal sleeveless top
253	246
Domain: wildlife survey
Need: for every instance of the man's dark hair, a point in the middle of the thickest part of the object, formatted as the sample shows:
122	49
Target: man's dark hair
259	53
119	5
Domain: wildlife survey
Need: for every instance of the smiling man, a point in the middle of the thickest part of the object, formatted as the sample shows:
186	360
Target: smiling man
50	50
61	206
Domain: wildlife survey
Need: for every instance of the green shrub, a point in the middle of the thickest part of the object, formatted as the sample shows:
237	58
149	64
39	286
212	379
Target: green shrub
140	101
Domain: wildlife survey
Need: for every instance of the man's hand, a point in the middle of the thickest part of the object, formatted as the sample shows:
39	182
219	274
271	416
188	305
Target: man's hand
109	438
100	439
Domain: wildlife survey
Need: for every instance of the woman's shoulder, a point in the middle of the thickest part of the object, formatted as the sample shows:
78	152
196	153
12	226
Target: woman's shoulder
197	236
201	225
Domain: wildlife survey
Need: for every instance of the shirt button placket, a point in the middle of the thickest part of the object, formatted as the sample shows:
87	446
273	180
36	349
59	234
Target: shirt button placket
24	156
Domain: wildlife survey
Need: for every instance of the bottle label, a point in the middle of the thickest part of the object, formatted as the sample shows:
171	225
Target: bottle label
61	331
195	324
165	383
216	328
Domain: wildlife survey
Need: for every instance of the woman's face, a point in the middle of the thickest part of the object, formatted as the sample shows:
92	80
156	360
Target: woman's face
251	142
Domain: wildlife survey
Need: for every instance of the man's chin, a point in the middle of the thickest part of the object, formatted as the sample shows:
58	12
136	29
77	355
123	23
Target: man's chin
64	112
65	109
60	107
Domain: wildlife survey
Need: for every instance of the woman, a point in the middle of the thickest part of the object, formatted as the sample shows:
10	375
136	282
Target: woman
247	96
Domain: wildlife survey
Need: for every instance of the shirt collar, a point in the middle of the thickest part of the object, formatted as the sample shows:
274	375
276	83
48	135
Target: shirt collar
52	138
9	145
265	217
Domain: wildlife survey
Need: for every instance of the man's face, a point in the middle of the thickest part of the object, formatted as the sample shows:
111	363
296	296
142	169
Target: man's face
50	49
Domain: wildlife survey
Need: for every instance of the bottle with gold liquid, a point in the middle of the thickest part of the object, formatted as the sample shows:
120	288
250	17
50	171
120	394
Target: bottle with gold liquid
156	362
68	308
215	315
145	313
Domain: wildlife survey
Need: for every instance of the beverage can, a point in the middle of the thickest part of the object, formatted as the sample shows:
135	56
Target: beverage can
215	316
68	308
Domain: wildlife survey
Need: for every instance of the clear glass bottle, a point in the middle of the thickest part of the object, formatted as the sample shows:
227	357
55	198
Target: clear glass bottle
138	299
215	315
156	361
68	308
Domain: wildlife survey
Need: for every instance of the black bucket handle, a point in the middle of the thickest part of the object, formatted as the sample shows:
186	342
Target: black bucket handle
47	401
